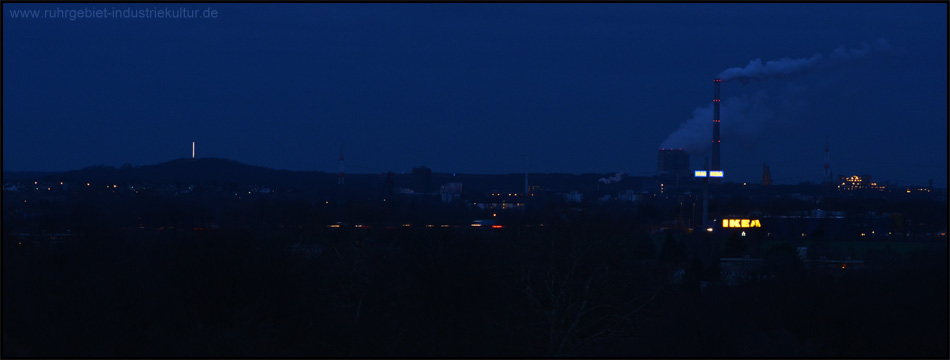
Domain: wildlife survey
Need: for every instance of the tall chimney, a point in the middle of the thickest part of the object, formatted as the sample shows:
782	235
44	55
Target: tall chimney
716	165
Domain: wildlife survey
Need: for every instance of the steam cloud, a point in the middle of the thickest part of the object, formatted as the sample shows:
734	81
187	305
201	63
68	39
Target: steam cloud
747	115
756	70
612	179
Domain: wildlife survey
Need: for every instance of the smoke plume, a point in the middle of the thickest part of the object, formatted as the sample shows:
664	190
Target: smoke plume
747	117
612	179
756	70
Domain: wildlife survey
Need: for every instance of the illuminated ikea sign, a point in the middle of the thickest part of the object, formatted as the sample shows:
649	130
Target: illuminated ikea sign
699	173
740	223
715	173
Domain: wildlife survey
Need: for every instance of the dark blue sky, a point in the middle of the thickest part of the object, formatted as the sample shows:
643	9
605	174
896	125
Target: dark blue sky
472	88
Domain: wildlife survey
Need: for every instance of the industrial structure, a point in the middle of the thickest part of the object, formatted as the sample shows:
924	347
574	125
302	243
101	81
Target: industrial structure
716	165
766	175
673	164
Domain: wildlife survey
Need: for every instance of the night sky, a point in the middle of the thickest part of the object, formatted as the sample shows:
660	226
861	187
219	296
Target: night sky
473	88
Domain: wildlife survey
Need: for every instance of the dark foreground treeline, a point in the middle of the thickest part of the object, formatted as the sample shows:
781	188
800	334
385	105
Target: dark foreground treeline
592	287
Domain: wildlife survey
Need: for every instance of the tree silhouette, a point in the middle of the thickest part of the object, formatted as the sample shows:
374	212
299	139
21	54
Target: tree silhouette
671	252
735	246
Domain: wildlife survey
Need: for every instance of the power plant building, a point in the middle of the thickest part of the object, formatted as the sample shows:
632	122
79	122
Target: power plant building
673	164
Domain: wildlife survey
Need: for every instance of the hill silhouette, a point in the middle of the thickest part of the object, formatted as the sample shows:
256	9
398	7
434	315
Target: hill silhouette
221	172
196	171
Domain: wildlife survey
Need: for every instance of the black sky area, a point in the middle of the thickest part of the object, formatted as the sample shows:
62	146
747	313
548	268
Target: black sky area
472	88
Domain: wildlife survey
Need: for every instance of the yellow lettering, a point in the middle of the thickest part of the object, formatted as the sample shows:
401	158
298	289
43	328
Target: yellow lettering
725	222
744	223
733	222
756	223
